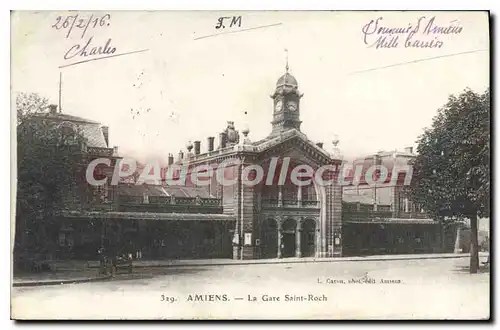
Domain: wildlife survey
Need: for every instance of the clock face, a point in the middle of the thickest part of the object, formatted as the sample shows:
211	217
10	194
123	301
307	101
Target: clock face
292	106
279	106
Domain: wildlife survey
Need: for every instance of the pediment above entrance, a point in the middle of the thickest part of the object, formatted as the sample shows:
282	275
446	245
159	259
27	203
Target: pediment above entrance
295	145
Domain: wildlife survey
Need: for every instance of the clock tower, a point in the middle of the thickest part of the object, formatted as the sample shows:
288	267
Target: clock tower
286	102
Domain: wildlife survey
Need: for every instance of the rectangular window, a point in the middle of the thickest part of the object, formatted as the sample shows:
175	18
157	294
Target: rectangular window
62	239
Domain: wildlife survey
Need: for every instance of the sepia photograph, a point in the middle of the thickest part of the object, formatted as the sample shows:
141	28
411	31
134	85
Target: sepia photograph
250	165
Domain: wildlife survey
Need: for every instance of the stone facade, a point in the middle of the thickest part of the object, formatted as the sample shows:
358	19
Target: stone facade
281	219
275	218
239	220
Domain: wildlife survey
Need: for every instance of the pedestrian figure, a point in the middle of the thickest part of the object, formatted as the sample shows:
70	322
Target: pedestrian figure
102	261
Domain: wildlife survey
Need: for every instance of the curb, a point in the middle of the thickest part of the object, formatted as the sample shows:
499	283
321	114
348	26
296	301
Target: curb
284	262
56	282
240	263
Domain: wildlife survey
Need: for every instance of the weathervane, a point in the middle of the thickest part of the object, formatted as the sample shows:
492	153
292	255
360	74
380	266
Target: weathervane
286	54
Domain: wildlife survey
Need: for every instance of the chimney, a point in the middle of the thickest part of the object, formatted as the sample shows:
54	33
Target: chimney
197	147
409	150
170	159
222	140
189	147
210	141
320	145
115	150
53	109
105	132
181	155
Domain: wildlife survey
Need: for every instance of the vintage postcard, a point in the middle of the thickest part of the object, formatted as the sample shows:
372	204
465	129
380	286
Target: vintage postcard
252	165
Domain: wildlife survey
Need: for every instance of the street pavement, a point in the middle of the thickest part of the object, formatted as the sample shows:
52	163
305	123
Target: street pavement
389	289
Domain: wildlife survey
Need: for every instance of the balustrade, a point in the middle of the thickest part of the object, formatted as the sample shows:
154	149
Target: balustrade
156	204
274	203
97	151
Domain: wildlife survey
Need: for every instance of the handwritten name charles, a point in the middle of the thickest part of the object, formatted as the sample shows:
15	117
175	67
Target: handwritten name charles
90	49
424	33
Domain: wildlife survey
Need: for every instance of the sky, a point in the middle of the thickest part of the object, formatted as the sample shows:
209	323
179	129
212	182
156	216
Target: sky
192	85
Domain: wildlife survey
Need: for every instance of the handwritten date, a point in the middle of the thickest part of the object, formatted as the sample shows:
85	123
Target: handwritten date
71	22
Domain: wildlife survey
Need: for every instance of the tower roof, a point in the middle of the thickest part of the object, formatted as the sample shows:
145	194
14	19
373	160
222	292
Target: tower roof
287	80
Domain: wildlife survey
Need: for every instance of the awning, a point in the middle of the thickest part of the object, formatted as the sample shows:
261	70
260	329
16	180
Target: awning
148	216
161	191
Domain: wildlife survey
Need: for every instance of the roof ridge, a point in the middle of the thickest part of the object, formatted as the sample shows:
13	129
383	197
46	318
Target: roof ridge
65	116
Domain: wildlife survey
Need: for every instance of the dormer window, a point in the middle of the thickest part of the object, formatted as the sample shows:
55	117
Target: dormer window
68	133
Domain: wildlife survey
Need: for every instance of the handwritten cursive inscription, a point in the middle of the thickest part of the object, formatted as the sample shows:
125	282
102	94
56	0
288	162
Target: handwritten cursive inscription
423	33
235	21
70	22
90	50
